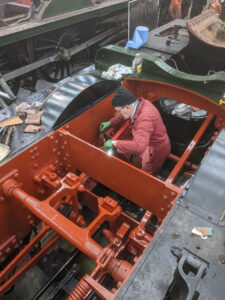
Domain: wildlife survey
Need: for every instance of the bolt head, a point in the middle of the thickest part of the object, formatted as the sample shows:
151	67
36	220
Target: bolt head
8	250
45	260
2	199
31	222
2	259
16	245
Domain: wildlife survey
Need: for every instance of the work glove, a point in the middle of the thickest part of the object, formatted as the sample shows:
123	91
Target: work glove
104	125
108	145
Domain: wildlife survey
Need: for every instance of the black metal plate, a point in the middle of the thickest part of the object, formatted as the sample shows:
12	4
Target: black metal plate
159	37
73	97
206	195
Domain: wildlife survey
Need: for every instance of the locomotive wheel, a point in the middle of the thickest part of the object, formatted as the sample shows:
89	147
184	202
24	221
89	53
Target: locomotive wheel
57	43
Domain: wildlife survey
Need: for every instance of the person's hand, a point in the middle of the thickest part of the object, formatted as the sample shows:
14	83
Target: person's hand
108	145
104	125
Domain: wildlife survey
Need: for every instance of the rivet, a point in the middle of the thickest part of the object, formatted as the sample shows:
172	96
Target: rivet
2	259
173	194
54	150
58	153
31	151
65	143
16	175
63	147
2	199
56	141
8	250
52	168
45	260
35	165
41	191
31	222
162	209
165	196
51	137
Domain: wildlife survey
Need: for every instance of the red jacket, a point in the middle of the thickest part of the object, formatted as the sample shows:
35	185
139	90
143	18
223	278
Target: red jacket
150	141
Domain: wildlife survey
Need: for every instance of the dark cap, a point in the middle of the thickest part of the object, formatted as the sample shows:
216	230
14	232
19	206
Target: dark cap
123	97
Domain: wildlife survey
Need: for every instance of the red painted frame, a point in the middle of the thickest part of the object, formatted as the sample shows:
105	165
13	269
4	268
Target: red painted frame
70	149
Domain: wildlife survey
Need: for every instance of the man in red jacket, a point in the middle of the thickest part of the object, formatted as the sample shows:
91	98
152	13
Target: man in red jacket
150	144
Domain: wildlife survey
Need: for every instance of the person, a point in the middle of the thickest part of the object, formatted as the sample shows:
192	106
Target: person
150	144
197	7
216	6
175	9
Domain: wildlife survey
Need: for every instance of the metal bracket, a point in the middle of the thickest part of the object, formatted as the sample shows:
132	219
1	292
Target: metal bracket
190	270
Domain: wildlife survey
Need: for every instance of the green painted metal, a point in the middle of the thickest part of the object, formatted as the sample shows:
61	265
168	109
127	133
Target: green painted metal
31	29
58	7
213	86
